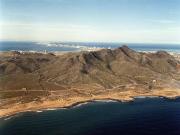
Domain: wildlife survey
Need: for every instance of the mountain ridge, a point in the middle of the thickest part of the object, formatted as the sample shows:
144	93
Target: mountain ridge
33	81
105	67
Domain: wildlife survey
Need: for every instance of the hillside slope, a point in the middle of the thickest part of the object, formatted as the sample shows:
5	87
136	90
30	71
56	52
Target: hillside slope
106	68
33	81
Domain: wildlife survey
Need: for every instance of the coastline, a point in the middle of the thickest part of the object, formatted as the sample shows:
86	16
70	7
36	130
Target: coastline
13	110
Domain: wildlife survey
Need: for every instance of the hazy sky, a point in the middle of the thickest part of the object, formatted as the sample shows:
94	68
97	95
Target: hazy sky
91	20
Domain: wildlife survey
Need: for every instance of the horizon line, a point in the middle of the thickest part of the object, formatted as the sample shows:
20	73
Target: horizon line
112	42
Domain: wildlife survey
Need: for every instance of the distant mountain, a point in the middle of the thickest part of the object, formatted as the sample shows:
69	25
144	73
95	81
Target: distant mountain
121	67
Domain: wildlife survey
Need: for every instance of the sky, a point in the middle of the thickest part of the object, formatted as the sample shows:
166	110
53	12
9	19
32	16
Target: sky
133	21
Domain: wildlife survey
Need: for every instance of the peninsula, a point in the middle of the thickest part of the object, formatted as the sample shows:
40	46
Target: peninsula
35	81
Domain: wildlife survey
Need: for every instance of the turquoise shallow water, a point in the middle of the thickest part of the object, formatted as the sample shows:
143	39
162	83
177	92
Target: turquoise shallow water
144	116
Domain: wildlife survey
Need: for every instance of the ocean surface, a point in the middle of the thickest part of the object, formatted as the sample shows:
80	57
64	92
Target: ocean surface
80	46
144	116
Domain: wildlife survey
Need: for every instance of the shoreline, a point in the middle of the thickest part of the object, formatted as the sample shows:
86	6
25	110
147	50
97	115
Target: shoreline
174	53
79	103
60	53
57	108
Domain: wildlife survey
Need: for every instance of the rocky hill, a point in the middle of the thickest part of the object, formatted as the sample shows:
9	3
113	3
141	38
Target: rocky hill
107	68
32	81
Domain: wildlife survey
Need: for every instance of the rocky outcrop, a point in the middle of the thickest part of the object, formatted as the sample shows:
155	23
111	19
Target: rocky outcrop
107	68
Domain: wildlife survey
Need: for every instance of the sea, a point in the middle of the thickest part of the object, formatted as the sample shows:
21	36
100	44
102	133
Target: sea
83	46
143	116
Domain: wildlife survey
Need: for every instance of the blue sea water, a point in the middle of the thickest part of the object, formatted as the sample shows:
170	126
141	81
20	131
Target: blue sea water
144	116
78	46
